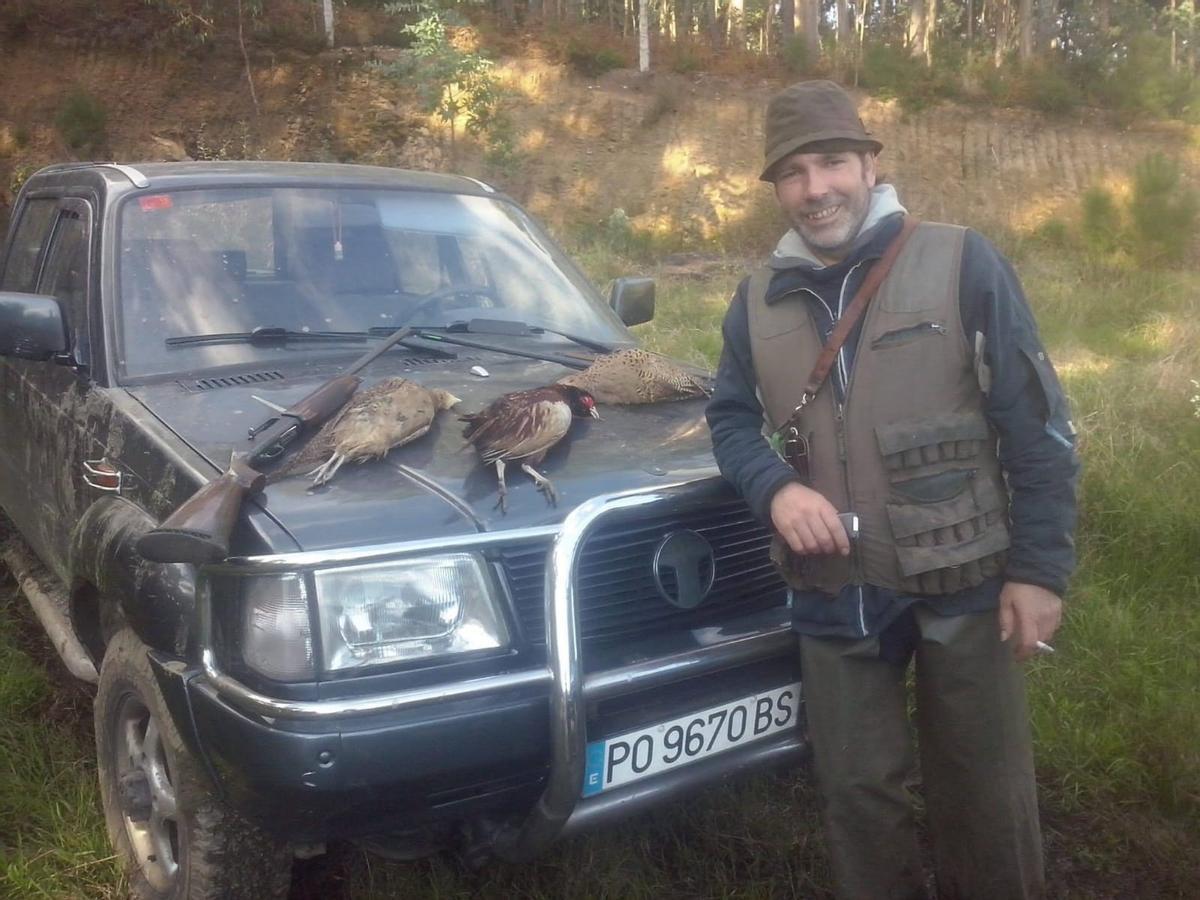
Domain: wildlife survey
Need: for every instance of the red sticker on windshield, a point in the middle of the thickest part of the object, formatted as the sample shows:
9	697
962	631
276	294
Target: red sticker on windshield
158	201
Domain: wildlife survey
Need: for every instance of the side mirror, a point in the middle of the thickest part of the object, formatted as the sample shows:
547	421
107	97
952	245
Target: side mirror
632	299
31	326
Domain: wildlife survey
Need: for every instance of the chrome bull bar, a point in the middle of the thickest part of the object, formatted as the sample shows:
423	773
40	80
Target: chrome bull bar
559	809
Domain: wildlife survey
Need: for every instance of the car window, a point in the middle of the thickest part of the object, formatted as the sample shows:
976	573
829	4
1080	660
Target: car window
20	274
65	274
329	260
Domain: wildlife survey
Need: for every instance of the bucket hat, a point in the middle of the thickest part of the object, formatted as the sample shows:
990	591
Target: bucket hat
812	112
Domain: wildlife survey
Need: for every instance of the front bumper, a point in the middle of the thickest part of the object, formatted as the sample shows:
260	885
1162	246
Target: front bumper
512	743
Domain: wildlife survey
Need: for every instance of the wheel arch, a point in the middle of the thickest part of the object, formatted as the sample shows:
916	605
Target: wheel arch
114	585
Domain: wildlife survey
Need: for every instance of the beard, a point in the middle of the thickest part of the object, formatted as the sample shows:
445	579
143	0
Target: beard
839	230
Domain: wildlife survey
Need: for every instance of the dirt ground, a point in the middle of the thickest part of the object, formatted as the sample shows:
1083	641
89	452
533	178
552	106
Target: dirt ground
678	154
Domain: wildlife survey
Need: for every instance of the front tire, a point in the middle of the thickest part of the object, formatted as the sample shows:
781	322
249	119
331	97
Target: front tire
176	839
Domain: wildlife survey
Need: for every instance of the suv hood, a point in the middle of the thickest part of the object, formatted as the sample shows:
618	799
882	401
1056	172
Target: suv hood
434	487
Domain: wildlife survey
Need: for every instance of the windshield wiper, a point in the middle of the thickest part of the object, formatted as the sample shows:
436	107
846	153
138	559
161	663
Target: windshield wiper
513	327
266	335
444	336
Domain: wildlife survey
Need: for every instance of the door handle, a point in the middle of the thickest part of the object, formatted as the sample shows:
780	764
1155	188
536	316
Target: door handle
102	475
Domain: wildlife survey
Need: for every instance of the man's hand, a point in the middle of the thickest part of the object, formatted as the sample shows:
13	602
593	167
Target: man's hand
1028	614
808	522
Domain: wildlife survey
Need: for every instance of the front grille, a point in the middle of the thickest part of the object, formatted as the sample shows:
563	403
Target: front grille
615	582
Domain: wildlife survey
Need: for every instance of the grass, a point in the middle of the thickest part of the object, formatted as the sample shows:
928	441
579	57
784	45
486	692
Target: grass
1116	711
52	838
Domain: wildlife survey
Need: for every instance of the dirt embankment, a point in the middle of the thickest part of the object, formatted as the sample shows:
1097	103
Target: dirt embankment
676	153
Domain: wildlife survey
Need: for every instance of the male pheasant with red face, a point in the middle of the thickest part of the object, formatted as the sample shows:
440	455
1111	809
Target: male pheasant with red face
523	426
636	376
390	414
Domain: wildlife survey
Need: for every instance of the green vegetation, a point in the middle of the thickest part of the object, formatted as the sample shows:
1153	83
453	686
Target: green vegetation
590	60
1158	224
52	838
81	121
451	83
1116	711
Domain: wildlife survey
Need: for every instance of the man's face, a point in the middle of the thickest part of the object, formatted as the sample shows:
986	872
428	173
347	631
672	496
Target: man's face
825	197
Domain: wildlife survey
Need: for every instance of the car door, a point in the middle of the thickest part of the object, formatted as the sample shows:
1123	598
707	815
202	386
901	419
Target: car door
30	238
64	420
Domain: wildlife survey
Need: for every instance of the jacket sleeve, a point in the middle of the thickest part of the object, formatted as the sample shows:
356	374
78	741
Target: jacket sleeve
735	418
1029	411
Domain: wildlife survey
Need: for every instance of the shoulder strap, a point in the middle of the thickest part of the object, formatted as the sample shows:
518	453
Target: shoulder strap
855	310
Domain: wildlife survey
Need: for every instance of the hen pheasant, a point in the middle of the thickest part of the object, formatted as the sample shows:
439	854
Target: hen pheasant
389	414
636	376
523	426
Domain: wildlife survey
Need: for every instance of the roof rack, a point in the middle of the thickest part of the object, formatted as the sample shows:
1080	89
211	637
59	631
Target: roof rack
136	178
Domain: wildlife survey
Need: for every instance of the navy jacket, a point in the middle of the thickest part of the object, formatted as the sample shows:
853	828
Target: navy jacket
1024	403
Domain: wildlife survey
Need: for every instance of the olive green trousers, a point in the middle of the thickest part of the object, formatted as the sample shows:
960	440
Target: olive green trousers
976	763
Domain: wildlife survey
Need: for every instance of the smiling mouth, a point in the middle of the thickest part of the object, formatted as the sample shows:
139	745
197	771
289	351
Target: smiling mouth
823	214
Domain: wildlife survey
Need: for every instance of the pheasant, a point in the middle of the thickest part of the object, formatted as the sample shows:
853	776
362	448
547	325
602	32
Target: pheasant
389	414
636	376
524	425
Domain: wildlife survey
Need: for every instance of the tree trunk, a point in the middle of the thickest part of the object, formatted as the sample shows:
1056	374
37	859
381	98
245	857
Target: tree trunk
684	17
969	14
713	11
1174	40
1046	35
643	35
1192	39
508	12
787	19
1001	48
328	9
931	14
808	18
843	25
917	32
737	23
1026	32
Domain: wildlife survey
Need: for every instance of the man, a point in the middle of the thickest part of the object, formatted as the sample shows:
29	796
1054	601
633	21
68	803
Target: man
942	426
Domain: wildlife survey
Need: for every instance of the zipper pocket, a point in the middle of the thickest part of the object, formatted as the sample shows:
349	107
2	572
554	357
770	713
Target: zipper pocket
907	335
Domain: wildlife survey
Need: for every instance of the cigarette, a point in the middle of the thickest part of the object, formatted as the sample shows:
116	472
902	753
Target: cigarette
1043	647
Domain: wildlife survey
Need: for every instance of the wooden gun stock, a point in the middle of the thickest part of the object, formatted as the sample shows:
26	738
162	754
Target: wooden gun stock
198	532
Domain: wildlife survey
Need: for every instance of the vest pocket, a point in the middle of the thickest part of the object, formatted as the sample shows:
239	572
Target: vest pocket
948	520
907	335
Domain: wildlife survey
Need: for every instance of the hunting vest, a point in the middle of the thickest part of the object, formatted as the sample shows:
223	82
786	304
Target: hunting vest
910	452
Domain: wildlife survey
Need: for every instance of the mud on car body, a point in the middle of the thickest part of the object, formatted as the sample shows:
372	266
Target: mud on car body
387	659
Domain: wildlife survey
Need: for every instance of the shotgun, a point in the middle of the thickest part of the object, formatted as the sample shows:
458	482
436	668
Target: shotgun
198	531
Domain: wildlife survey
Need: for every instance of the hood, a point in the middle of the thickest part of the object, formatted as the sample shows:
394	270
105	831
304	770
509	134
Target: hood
434	487
791	250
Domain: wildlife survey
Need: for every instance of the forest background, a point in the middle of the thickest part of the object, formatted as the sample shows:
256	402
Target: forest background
1069	132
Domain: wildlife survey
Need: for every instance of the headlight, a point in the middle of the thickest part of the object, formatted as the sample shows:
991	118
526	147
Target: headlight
276	635
407	609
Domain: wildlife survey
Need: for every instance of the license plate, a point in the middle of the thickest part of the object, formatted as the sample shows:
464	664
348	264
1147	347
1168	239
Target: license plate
619	760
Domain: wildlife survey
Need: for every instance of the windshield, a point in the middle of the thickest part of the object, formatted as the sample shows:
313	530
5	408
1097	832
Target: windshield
308	260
